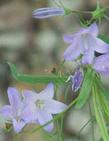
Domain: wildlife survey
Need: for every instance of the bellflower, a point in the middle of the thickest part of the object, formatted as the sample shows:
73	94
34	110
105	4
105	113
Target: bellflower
85	43
13	113
48	12
101	64
77	80
40	107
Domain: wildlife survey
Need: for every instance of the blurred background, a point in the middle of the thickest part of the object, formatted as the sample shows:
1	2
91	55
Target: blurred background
36	47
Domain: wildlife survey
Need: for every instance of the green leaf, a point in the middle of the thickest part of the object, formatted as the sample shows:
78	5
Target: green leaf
99	115
104	38
32	79
103	89
85	89
103	96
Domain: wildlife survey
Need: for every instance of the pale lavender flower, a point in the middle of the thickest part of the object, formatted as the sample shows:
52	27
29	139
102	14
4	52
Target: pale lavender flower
101	64
40	107
48	12
13	113
85	43
77	80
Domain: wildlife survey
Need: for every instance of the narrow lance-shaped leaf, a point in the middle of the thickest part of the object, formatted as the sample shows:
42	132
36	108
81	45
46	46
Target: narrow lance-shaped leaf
102	88
32	79
85	89
103	96
99	115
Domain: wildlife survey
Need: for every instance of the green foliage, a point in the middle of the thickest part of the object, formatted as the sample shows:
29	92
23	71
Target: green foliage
32	79
99	103
86	88
50	136
98	13
104	38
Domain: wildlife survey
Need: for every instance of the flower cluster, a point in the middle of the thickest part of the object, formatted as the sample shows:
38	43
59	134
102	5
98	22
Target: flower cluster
84	44
31	107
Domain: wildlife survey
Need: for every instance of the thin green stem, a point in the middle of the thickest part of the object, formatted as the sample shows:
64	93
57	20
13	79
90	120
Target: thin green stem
61	128
15	137
57	3
62	118
59	124
58	130
66	93
60	67
98	4
105	8
82	128
91	115
106	17
81	12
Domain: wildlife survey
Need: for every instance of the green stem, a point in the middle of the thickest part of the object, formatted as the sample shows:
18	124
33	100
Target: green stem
82	128
91	115
62	118
81	12
106	17
59	122
105	8
58	130
98	4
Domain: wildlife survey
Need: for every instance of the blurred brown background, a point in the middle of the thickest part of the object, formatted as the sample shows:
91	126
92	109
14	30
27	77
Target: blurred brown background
36	47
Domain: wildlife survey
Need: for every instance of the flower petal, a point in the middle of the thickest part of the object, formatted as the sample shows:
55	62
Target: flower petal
73	51
54	107
43	118
6	111
71	37
100	46
88	57
48	92
101	64
77	80
14	97
18	125
29	96
29	113
93	30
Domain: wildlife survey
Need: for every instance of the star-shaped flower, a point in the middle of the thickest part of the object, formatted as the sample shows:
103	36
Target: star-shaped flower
13	113
40	107
85	43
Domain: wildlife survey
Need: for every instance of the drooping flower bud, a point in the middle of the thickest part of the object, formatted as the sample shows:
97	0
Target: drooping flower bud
48	12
